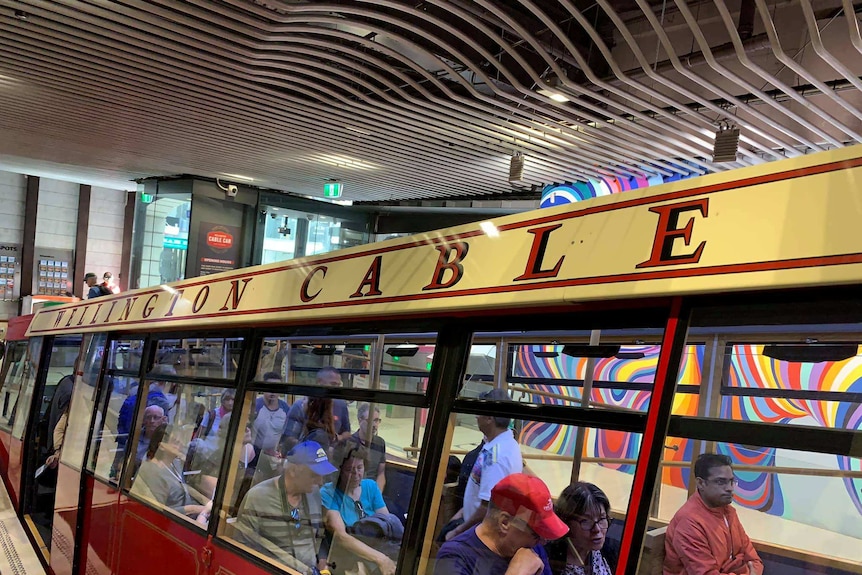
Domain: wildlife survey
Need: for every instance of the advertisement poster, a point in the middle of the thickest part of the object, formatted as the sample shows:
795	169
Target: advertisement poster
218	248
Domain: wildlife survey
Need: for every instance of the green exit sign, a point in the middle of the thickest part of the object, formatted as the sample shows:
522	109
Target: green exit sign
332	189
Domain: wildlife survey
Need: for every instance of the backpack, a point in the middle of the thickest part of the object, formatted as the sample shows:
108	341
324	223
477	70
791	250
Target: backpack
104	290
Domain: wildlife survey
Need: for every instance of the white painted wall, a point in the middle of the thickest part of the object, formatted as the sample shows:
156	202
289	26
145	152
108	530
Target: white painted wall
105	232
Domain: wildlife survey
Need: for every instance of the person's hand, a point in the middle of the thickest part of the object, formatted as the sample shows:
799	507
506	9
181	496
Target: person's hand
525	562
752	570
386	565
52	461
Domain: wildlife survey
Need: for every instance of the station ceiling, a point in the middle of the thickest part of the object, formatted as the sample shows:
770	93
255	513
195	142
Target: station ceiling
405	100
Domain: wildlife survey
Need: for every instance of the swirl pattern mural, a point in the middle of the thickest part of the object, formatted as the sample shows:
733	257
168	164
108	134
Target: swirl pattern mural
749	369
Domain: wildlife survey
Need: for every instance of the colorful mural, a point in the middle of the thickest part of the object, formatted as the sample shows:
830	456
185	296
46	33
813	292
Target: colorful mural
568	193
749	368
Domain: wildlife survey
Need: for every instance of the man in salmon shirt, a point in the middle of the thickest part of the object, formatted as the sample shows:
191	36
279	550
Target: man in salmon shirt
705	536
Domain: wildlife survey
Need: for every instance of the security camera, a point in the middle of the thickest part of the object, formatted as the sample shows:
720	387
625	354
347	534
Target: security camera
273	215
231	191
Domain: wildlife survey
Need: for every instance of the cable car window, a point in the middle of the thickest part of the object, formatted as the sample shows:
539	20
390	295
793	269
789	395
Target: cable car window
587	472
18	389
299	452
298	361
177	452
116	405
406	363
201	357
81	403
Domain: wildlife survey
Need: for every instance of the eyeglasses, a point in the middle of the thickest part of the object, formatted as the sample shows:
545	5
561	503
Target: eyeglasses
294	514
376	420
360	510
587	524
723	481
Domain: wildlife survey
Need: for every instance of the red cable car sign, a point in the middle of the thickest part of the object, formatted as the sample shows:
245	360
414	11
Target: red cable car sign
219	240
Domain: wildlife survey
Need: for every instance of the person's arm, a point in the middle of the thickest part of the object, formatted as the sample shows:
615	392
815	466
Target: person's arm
752	559
381	476
690	544
351	544
58	437
469	522
525	562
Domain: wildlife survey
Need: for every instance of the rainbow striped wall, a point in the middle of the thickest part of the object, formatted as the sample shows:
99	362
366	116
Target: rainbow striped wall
568	193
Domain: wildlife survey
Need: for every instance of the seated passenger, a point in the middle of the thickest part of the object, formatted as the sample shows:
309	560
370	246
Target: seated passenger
519	519
585	550
161	479
349	499
319	423
705	536
282	516
154	416
367	436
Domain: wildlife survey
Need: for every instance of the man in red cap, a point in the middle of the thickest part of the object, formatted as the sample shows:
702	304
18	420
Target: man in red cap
519	520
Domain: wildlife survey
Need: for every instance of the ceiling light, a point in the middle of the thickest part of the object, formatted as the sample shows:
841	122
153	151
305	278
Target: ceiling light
550	87
357	130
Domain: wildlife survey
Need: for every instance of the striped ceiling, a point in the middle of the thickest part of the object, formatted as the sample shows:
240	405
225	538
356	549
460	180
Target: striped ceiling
422	99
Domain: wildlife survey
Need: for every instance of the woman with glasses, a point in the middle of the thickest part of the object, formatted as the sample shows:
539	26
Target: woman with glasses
346	501
585	550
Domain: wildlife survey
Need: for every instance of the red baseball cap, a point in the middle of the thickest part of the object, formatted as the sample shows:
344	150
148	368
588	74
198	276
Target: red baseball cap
528	498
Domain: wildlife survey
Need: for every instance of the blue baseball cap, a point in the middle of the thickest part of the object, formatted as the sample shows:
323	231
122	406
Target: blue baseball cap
310	453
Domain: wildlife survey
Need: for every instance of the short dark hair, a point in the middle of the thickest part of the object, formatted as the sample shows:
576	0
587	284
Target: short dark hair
580	498
89	275
328	369
498	394
346	449
272	375
706	462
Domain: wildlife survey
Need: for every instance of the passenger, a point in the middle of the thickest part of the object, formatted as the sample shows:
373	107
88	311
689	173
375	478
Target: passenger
58	414
93	289
161	478
501	456
328	377
705	536
282	516
375	468
154	417
107	286
585	550
465	468
349	499
319	423
519	519
209	425
267	429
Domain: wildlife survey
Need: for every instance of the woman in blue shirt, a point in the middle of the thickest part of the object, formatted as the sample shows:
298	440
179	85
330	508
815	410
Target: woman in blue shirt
346	501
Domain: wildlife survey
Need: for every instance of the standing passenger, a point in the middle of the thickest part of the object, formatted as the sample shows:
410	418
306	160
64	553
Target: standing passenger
367	437
500	456
282	517
520	518
705	536
328	377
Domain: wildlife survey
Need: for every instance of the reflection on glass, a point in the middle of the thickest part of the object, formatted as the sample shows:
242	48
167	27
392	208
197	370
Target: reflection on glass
18	389
199	357
161	257
178	455
274	446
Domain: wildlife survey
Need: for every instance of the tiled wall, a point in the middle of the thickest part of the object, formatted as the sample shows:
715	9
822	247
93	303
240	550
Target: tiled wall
56	220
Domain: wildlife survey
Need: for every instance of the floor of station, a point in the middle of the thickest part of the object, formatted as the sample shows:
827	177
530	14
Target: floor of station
17	556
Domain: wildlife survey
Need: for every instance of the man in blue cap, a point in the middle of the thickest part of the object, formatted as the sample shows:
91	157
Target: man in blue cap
282	517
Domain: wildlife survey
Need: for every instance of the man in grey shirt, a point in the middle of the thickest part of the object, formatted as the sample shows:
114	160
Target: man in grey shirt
282	517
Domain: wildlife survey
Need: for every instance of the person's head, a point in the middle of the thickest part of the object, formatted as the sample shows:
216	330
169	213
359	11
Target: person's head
521	514
305	467
587	511
154	416
491	426
107	277
715	480
350	457
272	377
90	279
362	413
329	376
318	411
227	398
